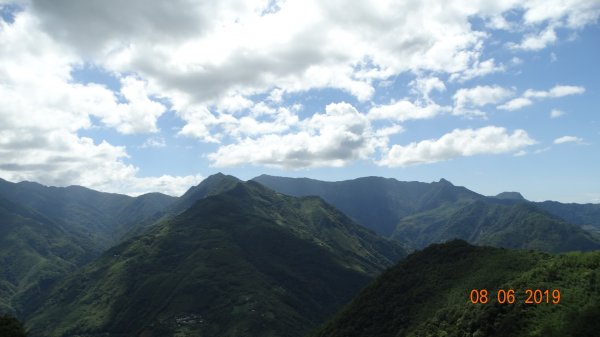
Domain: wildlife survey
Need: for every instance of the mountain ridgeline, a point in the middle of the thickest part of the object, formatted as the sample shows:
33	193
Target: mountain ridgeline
278	256
46	232
419	214
247	261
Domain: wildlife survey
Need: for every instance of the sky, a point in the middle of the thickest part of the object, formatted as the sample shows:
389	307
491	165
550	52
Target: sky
141	96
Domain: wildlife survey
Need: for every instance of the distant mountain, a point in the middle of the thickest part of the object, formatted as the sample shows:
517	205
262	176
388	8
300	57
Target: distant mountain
34	252
428	294
510	196
584	215
46	232
517	225
377	203
418	214
244	262
102	217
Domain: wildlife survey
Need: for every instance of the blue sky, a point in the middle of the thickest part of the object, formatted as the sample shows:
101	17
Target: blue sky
147	96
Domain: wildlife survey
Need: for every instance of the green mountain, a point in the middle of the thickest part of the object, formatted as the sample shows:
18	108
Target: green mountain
245	262
211	185
101	217
46	232
428	294
377	203
510	196
497	223
418	214
584	215
34	251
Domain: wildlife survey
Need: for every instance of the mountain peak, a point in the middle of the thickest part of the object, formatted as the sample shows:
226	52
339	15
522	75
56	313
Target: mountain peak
445	182
213	184
510	196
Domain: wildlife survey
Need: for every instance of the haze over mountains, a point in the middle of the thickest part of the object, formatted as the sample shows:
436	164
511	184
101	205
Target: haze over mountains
272	256
418	214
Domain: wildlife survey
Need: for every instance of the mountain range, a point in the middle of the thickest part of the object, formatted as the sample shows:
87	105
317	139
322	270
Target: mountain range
419	214
247	261
272	256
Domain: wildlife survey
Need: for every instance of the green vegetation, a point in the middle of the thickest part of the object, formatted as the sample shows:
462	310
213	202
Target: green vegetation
427	294
47	232
496	223
419	214
584	215
235	259
248	261
11	327
377	203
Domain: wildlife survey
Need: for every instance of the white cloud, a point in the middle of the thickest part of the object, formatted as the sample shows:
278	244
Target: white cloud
555	113
458	143
556	91
167	184
216	51
334	138
530	94
60	158
154	142
42	111
213	61
568	139
536	42
515	104
425	85
569	13
465	100
477	69
139	115
405	110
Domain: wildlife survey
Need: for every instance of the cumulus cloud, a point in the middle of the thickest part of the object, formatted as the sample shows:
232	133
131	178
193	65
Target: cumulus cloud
515	104
530	94
61	158
425	85
477	69
556	91
405	110
212	62
335	138
458	143
214	51
567	13
154	142
568	139
467	100
537	41
42	112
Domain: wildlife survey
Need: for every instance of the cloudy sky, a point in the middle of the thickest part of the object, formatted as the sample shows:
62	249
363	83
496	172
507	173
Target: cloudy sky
138	96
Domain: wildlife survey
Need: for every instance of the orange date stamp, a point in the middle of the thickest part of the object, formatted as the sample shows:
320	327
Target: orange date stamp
508	296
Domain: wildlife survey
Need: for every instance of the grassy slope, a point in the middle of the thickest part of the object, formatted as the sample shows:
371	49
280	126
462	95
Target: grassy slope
245	262
428	295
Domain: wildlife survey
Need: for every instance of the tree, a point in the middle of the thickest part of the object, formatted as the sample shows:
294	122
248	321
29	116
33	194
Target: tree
11	327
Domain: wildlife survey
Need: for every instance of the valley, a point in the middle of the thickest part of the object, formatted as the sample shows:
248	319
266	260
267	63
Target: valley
278	256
